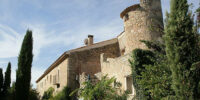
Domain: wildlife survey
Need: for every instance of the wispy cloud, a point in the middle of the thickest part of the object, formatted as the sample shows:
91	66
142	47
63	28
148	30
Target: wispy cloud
10	42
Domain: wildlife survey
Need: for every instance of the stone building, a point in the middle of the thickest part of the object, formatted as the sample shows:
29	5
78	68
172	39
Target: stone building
141	22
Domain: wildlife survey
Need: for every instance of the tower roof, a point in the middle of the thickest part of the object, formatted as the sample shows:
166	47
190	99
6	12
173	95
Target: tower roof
131	8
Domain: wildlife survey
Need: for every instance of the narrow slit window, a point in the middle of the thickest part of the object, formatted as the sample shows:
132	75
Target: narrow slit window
126	17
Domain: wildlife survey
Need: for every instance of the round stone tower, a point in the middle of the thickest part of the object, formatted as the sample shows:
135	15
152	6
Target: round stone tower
142	21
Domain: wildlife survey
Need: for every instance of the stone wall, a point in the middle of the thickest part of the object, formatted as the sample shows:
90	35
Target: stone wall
88	61
122	43
141	22
117	67
46	82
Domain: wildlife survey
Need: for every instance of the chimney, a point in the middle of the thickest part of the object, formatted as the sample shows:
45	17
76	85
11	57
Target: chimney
89	40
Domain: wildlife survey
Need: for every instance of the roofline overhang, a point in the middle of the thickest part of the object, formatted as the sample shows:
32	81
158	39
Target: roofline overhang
56	63
131	8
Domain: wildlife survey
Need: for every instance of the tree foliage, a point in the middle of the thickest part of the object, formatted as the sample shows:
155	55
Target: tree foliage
103	90
198	17
182	51
1	82
7	79
140	59
23	74
63	95
151	75
12	92
34	95
172	70
48	94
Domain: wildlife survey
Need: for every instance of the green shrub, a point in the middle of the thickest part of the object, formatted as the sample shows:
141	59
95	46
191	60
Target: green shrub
48	94
34	95
103	90
63	95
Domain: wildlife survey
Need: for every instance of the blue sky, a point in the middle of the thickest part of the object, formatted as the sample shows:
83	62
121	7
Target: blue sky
58	26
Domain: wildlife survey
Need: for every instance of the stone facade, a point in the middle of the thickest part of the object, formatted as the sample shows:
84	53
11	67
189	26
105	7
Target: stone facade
141	22
110	57
67	70
57	75
120	69
88	61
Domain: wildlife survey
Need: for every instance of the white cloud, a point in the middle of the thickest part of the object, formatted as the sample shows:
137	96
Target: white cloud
10	42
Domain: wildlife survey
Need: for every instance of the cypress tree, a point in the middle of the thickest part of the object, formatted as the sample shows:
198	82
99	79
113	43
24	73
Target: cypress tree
198	17
1	82
7	79
23	74
182	50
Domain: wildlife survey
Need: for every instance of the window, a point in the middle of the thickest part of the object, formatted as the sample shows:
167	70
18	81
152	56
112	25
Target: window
42	84
50	79
126	17
129	84
58	76
58	85
54	79
123	51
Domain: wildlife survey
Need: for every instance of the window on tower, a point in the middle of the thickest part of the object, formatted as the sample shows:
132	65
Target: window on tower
126	17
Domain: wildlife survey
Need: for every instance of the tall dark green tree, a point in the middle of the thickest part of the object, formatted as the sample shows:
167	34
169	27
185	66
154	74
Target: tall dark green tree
198	18
182	51
23	74
7	79
1	82
151	74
